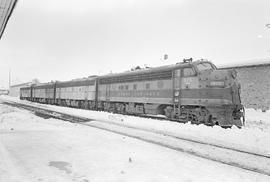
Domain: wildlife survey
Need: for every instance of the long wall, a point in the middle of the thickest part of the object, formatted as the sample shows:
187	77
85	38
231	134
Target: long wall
255	85
14	90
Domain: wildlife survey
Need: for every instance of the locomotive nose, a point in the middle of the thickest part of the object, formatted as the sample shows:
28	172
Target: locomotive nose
219	78
224	87
224	82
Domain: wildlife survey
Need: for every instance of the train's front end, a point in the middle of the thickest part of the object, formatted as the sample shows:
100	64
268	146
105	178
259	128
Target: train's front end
223	92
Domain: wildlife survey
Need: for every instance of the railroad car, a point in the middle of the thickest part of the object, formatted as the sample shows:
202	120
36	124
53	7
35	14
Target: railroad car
79	93
187	91
26	93
44	93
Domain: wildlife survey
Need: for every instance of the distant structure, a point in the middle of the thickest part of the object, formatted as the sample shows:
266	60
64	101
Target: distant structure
4	92
6	9
14	90
254	78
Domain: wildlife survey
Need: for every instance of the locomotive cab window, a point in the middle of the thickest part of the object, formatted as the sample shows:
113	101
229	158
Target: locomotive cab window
188	72
205	66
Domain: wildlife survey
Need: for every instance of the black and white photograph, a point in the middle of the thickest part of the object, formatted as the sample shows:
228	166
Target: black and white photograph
134	91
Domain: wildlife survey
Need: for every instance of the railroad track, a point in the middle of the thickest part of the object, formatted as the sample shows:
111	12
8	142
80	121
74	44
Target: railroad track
47	113
258	163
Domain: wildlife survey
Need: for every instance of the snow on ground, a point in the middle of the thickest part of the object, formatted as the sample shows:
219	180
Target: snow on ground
37	149
256	119
254	137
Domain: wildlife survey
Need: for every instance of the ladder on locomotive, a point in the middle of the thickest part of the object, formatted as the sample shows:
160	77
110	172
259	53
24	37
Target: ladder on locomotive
176	89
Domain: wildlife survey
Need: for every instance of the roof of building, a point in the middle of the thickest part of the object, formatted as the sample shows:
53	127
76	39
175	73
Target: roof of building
6	9
21	84
248	63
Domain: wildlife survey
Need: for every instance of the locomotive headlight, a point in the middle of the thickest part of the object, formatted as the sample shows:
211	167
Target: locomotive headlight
217	83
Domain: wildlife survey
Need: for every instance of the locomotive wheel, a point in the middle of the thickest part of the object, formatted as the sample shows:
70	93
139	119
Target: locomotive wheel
196	115
185	115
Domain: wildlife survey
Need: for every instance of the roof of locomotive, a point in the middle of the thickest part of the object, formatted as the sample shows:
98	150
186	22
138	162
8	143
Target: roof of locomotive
149	73
77	82
38	86
155	69
61	84
157	73
43	85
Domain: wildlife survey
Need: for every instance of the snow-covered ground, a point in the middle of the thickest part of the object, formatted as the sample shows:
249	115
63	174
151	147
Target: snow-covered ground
254	137
35	149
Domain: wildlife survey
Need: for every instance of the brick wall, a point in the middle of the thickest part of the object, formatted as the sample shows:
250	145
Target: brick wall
255	86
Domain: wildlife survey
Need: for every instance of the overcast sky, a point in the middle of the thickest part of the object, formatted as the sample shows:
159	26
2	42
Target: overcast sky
66	39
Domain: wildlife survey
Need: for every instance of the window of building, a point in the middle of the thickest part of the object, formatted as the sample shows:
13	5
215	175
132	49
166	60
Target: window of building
135	87
126	87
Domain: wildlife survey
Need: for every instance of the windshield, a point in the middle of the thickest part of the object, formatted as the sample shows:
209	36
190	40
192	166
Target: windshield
204	66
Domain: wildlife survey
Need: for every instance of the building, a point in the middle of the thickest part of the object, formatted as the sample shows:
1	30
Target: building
4	92
255	83
14	90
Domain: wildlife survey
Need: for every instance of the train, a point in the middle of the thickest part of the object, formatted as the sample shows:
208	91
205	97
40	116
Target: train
188	91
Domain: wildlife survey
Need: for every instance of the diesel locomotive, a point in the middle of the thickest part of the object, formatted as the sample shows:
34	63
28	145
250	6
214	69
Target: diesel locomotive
194	91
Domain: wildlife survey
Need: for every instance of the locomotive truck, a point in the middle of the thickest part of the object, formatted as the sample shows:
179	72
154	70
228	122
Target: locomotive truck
188	91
